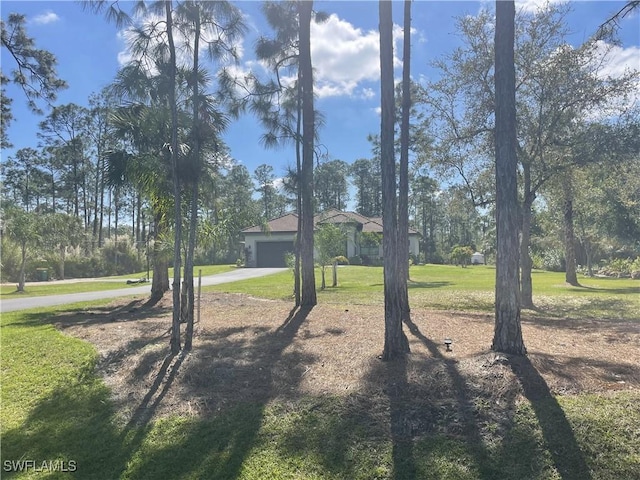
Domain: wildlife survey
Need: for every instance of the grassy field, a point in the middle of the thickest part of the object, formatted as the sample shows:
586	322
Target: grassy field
446	287
55	407
104	283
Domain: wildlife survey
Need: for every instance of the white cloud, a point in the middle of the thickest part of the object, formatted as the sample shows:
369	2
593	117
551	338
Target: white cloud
533	6
46	18
346	57
278	183
616	60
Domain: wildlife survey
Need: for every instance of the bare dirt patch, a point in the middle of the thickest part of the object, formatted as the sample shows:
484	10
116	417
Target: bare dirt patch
248	349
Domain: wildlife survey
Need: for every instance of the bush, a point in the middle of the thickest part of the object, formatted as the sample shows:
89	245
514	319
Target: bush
553	260
12	259
341	260
120	259
461	255
355	260
619	267
376	262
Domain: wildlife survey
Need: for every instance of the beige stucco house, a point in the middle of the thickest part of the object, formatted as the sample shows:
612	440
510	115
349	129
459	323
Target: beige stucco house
267	245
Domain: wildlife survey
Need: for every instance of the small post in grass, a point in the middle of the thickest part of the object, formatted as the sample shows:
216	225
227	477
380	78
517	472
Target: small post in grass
448	342
199	290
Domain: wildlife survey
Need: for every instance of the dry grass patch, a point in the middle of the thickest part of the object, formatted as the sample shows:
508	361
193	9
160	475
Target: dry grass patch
249	349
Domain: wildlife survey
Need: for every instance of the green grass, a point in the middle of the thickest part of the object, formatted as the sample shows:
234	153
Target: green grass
61	289
447	287
110	283
54	407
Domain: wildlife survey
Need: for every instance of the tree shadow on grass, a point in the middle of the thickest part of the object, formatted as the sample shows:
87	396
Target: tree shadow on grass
416	284
556	429
77	420
216	371
88	316
466	414
587	309
72	423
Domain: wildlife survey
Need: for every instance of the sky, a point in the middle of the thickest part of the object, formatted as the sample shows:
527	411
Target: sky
345	57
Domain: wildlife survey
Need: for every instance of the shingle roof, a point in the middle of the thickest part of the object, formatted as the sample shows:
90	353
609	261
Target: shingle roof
285	223
289	222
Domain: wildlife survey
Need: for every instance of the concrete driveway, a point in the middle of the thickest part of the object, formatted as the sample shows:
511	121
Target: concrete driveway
13	304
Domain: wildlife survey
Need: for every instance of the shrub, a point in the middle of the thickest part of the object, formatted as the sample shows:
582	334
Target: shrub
355	260
553	260
461	255
121	258
341	260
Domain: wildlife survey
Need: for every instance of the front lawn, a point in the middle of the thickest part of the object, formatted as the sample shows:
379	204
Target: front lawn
268	392
447	287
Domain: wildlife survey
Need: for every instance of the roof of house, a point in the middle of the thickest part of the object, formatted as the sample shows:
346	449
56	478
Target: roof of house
289	223
286	223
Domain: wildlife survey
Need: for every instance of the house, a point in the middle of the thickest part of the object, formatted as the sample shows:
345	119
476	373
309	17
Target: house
267	245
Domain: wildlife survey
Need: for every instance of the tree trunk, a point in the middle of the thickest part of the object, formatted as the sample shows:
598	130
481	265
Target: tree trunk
160	282
395	341
296	269
309	297
571	276
62	259
403	200
96	199
23	265
193	221
177	254
100	226
589	254
508	332
335	275
526	282
138	225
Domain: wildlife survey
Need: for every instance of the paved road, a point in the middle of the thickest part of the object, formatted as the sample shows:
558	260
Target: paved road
48	301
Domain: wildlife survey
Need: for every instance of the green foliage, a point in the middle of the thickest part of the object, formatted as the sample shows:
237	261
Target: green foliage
121	258
341	260
11	261
371	239
35	70
356	260
330	242
621	267
461	255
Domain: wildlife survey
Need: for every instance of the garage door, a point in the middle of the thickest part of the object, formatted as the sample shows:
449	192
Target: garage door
272	254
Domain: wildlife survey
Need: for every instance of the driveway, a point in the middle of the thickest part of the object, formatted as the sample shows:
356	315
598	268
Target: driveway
13	304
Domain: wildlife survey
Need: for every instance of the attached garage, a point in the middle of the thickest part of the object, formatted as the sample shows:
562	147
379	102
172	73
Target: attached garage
272	254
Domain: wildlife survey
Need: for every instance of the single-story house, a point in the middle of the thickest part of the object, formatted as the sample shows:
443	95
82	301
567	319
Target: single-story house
267	245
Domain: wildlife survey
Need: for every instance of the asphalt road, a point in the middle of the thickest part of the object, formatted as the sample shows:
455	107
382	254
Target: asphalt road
13	304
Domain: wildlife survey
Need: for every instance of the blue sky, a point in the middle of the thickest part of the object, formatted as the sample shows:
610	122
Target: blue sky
90	51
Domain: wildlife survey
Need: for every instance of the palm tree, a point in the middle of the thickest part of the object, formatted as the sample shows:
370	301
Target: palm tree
198	21
142	127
